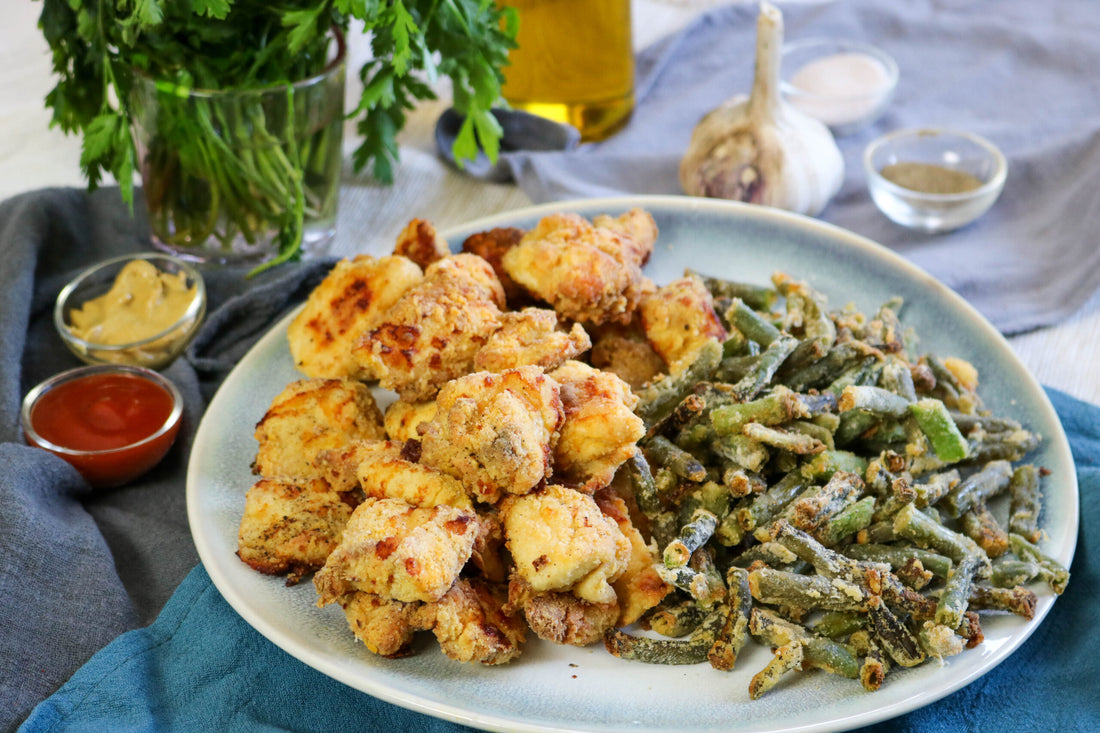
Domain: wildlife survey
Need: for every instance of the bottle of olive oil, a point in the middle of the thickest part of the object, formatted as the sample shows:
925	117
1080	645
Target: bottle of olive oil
574	64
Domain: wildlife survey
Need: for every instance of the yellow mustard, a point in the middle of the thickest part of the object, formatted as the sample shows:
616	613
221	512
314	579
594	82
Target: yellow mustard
142	302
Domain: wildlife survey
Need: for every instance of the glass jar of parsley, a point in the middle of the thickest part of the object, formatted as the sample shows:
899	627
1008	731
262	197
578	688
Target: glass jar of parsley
229	174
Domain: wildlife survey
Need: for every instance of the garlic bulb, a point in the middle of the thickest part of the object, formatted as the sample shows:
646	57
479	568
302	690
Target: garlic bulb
759	148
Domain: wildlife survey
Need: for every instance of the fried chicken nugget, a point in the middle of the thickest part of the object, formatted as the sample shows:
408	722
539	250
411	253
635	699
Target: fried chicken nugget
625	352
432	333
420	242
640	232
491	246
600	429
532	336
495	432
398	551
471	625
678	320
639	588
385	626
350	300
310	416
562	618
387	476
403	419
586	273
340	466
290	527
561	541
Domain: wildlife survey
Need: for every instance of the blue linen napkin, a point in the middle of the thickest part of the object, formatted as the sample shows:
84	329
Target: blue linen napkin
79	567
1018	72
199	666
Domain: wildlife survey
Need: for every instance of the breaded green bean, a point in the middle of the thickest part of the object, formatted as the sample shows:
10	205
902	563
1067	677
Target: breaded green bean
808	513
693	535
781	588
823	465
759	297
876	400
1024	503
771	358
979	524
734	633
896	639
943	435
935	487
920	528
692	650
955	596
664	453
940	641
778	406
750	323
766	506
846	522
741	450
1054	573
643	484
1017	600
676	619
795	442
769	553
819	652
897	556
657	400
784	659
1011	572
977	488
839	624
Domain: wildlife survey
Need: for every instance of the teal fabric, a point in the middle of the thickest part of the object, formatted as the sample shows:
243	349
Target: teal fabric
199	666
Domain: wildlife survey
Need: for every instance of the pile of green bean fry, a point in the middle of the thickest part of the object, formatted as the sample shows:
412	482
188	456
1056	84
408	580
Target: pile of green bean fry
816	485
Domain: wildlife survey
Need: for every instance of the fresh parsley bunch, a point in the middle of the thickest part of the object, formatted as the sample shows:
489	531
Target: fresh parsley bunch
97	46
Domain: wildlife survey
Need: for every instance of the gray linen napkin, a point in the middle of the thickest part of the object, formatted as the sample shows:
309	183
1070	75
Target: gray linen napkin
1020	73
80	566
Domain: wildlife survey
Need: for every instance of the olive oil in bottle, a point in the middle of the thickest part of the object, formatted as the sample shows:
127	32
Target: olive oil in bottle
574	64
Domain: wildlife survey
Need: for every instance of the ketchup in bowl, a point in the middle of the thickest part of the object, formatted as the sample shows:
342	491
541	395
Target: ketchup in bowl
112	423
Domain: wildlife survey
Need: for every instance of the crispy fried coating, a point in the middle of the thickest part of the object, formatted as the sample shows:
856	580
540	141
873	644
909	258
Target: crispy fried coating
349	301
561	541
340	466
586	273
600	429
385	626
639	230
290	527
403	419
471	625
420	242
398	551
310	416
491	246
562	618
432	333
489	555
628	356
678	320
495	432
387	476
532	336
639	588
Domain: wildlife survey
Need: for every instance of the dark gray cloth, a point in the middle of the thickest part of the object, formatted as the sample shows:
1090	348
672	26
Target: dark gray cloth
80	566
1020	73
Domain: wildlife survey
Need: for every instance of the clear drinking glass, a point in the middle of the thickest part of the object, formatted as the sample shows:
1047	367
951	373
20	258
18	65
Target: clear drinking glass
228	174
574	64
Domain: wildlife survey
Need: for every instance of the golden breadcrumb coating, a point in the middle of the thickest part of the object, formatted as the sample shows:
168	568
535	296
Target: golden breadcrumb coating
387	476
489	556
471	625
290	527
586	273
532	336
639	588
350	300
398	551
491	246
562	618
495	432
420	242
639	229
432	333
340	466
600	429
403	419
678	320
385	626
310	416
560	540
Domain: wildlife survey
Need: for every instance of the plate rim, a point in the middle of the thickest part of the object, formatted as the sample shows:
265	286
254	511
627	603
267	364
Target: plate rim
589	207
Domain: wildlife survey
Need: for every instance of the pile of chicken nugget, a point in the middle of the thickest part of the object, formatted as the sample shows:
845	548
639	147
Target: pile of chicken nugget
482	502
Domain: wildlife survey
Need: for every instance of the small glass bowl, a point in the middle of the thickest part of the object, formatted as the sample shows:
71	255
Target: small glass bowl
154	352
958	151
853	83
110	466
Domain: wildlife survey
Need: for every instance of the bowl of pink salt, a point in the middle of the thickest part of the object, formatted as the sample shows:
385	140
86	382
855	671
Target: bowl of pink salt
845	84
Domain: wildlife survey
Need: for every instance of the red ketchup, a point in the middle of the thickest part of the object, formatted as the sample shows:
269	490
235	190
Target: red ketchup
111	426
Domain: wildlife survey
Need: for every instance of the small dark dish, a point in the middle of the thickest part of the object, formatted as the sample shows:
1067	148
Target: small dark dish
112	423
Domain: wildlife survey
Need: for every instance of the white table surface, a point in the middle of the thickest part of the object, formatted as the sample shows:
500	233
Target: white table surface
34	156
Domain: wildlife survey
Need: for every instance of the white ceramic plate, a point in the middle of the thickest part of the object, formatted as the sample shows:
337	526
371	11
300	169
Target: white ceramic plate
554	688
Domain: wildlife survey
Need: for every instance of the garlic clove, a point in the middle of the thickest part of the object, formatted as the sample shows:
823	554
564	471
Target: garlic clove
760	149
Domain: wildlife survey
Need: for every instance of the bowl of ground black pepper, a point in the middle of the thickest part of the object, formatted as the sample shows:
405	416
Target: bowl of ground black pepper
934	180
